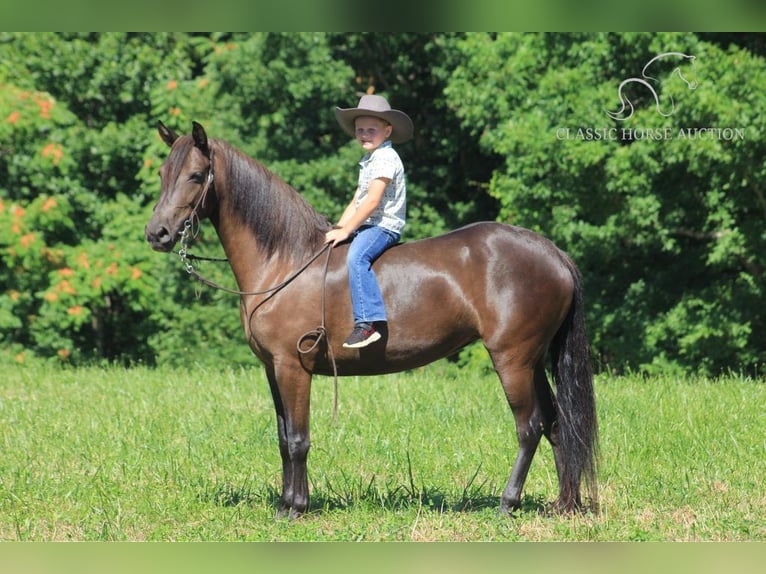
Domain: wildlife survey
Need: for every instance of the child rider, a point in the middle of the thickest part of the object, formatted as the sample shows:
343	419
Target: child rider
375	217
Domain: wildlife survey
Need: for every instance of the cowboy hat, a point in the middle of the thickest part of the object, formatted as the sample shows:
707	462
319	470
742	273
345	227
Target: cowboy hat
378	107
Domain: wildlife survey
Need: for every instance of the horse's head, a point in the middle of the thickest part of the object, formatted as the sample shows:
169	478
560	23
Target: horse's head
187	176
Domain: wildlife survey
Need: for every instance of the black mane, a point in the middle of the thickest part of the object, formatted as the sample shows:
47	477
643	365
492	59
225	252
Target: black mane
280	218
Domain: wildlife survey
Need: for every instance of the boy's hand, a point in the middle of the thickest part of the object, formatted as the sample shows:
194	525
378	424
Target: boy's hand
336	236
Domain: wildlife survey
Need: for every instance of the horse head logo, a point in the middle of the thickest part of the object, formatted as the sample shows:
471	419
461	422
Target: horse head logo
652	83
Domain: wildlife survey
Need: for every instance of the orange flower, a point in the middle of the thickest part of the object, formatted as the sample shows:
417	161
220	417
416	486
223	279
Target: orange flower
51	297
82	260
66	272
203	82
172	85
135	273
66	287
76	310
18	211
96	283
112	269
175	111
49	204
220	49
53	151
54	256
45	107
14	295
13	118
64	354
27	240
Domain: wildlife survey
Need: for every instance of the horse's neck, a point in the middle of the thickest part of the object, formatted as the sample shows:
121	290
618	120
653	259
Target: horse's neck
247	259
259	245
254	267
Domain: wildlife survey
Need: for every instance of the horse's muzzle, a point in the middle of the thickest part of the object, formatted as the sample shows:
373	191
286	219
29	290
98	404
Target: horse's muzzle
160	238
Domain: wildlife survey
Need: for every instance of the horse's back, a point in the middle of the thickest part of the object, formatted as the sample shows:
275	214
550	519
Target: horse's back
489	281
488	251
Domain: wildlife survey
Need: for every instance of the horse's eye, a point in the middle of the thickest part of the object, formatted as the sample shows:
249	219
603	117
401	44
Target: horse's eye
197	177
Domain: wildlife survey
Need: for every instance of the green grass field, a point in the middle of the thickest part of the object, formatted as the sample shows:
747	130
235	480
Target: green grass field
177	455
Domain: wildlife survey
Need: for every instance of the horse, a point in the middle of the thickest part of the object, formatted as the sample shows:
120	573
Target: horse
507	286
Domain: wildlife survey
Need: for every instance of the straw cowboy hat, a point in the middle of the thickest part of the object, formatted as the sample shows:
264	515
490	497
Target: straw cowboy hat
378	107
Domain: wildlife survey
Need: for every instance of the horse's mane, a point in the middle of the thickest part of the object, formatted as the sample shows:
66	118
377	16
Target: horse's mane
280	218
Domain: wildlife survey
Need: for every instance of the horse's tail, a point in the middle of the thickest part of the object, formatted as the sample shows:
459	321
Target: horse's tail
575	403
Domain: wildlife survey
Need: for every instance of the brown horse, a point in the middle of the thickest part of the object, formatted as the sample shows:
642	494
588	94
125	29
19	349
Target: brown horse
505	285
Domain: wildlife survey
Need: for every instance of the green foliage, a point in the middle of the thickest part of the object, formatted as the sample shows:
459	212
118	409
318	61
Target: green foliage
75	272
668	233
279	93
102	77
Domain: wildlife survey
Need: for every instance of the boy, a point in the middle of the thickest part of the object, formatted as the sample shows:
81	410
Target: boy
375	217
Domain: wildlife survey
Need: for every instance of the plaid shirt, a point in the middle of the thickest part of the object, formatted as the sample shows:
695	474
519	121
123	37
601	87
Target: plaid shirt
385	162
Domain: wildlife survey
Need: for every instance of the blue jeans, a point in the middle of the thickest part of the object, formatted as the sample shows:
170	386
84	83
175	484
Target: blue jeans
367	245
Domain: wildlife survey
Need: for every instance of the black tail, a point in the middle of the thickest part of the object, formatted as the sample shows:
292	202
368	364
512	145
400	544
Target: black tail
575	403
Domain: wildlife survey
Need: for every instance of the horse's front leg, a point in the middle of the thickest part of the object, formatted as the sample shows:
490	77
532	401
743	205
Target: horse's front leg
291	389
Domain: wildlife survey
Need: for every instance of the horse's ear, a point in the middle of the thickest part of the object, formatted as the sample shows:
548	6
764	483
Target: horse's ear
200	138
167	135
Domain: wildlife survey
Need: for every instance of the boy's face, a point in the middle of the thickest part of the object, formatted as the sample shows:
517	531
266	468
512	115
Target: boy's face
371	132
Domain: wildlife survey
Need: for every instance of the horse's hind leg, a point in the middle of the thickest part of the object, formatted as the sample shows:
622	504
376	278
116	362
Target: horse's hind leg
519	386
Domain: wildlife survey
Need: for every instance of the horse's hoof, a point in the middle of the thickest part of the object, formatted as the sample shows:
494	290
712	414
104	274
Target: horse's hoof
508	507
506	512
568	507
289	514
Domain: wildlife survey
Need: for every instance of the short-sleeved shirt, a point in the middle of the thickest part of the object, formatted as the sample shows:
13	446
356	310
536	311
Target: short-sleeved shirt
392	209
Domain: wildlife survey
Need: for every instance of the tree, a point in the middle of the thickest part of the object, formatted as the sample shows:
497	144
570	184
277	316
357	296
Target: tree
76	280
665	220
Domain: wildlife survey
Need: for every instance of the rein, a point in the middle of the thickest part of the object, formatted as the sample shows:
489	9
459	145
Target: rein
317	334
187	257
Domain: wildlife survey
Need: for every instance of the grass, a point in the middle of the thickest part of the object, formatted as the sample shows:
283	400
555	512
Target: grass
187	455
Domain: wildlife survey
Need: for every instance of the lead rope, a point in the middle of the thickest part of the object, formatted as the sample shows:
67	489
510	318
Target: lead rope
318	333
187	257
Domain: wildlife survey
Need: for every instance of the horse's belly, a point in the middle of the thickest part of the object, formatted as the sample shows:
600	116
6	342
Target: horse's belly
396	352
